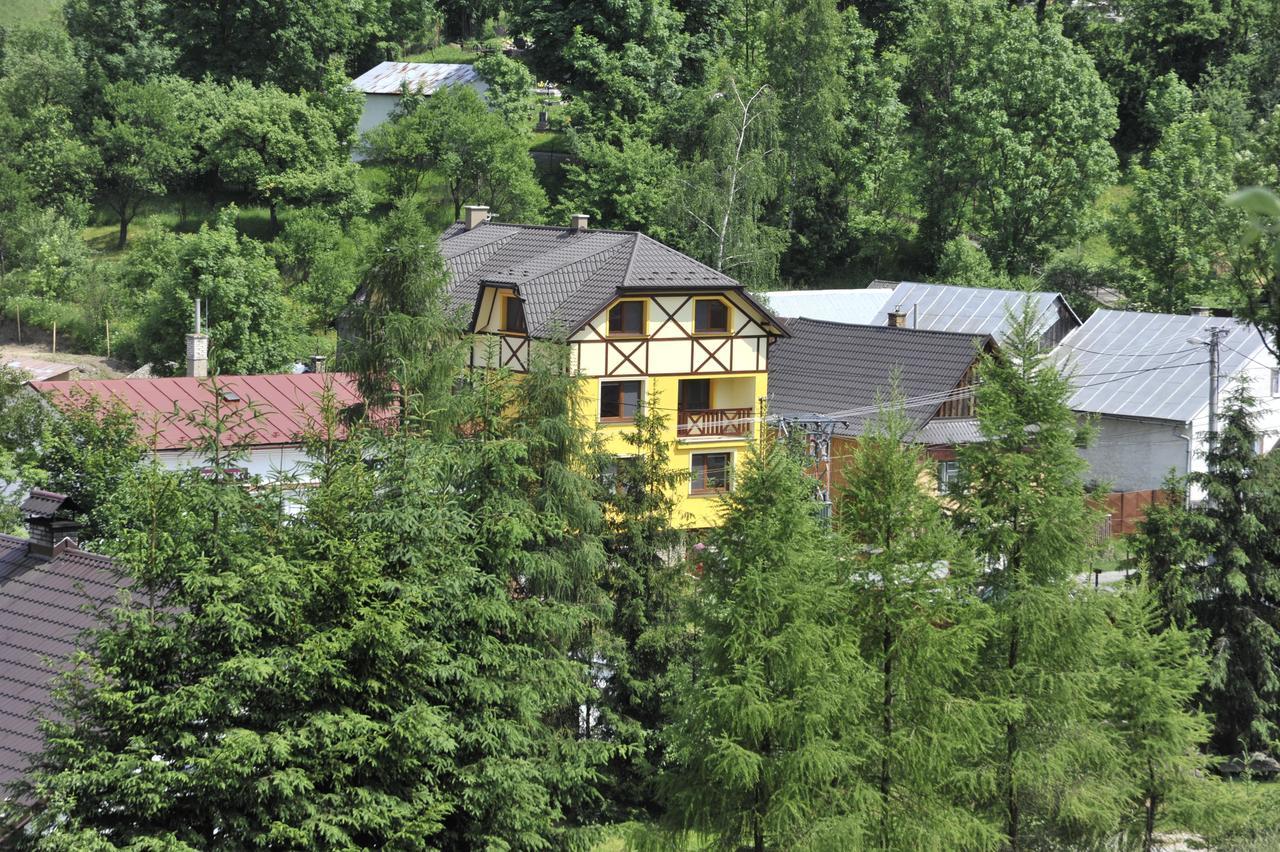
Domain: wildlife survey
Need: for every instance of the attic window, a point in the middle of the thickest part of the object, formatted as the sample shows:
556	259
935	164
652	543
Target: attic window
513	315
626	318
230	396
710	316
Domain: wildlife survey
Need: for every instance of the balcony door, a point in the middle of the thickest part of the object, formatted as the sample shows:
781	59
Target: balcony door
695	395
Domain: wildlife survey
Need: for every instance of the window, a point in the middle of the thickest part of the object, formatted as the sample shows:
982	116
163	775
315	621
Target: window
710	316
612	474
948	473
710	473
1275	382
626	318
695	395
513	315
619	400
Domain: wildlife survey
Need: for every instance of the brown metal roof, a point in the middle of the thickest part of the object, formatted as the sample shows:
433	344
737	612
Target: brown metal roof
828	367
42	504
44	609
565	275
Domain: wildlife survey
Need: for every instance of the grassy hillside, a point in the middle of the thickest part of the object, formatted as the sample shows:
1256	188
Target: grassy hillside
26	11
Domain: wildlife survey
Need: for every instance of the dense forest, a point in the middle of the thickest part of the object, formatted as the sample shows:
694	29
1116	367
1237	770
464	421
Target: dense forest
473	636
1088	148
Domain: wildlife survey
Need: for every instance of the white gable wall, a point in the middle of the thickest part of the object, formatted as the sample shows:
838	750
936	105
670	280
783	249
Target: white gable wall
1137	455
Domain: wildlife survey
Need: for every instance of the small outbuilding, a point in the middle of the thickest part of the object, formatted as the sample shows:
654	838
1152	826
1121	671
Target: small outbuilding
383	84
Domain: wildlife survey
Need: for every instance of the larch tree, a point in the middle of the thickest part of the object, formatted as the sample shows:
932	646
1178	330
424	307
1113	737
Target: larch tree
1054	771
1153	673
769	744
922	627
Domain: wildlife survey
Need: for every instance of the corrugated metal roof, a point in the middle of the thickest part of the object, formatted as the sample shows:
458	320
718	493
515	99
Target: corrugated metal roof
975	310
565	275
387	78
44	608
856	306
1134	364
285	406
949	432
827	367
38	370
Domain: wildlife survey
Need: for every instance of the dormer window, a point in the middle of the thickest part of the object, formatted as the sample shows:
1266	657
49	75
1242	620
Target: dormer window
626	319
710	316
513	315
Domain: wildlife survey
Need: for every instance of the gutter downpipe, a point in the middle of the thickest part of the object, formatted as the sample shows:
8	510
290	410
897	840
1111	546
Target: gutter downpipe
1189	436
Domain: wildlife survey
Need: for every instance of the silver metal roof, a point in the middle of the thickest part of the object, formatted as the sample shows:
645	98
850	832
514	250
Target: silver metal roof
949	431
974	310
1133	364
386	78
849	306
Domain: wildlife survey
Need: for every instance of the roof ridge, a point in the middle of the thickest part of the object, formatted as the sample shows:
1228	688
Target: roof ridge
970	335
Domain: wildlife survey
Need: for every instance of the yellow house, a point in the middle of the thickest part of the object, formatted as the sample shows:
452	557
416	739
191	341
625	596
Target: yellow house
643	322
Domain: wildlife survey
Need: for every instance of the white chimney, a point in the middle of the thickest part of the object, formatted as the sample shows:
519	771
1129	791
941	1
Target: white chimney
197	350
475	215
578	221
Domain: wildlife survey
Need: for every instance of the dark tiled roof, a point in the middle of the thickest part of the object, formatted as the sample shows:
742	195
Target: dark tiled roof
565	275
44	607
44	504
827	367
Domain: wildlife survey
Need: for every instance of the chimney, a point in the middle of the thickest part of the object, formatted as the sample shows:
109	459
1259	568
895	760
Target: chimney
897	318
197	350
475	215
46	532
578	221
317	363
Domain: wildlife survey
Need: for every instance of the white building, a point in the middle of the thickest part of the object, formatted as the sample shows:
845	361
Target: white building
1145	378
383	84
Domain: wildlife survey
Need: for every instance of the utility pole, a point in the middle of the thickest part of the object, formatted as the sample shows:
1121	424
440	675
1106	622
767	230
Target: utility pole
1215	339
818	431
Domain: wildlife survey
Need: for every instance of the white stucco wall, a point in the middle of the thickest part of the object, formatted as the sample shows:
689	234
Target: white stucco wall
267	463
378	108
1137	455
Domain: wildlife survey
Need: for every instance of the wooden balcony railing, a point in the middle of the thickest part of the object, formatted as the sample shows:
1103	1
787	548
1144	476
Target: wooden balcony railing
715	423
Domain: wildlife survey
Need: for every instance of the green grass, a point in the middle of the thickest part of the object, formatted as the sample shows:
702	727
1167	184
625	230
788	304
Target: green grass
18	12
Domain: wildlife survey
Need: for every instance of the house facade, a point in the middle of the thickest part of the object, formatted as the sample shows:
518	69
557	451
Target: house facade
383	84
644	324
846	373
1143	380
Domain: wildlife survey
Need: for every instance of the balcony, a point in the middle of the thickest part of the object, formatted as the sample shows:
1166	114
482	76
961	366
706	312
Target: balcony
715	423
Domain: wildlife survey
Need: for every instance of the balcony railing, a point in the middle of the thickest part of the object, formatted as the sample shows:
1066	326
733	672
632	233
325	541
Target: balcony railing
715	423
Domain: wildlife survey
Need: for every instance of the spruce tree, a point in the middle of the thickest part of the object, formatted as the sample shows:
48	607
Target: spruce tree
650	589
1236	581
531	770
1055	771
922	627
401	337
768	747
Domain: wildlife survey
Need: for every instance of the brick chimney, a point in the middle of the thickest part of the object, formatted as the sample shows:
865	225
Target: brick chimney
475	215
578	221
197	350
898	318
317	363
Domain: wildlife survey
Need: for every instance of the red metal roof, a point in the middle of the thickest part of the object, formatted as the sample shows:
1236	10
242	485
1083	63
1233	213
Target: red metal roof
281	408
